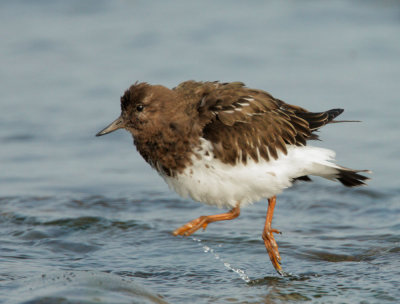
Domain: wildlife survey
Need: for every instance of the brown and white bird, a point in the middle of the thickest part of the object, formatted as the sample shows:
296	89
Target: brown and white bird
227	145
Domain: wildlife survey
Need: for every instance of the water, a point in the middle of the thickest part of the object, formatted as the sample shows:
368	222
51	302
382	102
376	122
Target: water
85	220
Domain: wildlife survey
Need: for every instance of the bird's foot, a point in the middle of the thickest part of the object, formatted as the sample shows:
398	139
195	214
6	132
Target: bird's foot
192	226
272	248
203	221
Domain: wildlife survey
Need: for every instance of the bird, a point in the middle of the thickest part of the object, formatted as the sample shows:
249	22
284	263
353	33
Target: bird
227	145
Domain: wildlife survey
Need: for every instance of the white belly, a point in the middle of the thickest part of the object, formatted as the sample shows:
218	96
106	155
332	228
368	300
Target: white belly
210	181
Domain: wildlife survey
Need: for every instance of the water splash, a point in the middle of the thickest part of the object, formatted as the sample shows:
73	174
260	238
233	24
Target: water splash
242	274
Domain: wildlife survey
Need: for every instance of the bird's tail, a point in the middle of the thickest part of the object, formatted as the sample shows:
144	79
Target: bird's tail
320	162
351	178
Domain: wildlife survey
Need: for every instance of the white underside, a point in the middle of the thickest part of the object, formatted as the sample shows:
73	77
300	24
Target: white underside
212	182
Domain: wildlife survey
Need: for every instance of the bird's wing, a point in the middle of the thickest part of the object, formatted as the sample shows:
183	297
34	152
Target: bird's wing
242	122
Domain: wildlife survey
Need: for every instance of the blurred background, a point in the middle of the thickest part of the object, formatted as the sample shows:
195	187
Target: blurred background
71	203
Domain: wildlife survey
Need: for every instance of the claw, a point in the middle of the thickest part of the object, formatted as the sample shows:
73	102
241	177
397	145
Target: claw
272	249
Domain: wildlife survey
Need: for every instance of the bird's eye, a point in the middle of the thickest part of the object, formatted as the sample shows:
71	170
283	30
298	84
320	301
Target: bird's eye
139	108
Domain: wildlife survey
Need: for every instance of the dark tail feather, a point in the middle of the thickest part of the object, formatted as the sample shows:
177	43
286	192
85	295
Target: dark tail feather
318	119
339	121
332	114
352	178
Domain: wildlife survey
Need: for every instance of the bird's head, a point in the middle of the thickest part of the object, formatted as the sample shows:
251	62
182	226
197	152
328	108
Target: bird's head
145	110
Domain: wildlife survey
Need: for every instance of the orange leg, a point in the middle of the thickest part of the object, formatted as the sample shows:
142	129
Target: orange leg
203	221
269	239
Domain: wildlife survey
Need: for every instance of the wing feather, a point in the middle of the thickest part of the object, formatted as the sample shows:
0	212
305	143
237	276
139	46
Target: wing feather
244	123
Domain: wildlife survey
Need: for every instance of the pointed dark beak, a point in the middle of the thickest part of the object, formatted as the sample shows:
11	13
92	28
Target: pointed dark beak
115	125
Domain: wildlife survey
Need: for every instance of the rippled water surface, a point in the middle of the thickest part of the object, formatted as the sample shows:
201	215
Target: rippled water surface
85	219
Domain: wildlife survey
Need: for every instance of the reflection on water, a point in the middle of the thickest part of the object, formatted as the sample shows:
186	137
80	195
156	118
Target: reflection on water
84	220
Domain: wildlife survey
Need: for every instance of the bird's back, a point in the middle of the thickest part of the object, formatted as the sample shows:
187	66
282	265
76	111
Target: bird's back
244	123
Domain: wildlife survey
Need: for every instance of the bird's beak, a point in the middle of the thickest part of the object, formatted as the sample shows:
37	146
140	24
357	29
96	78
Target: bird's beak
115	125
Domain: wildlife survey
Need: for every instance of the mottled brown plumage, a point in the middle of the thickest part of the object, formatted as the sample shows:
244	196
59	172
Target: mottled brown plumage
240	122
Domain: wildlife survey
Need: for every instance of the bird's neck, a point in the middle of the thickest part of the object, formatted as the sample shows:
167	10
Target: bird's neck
167	152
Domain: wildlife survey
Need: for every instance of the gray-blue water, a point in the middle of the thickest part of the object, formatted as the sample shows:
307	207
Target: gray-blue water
85	219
